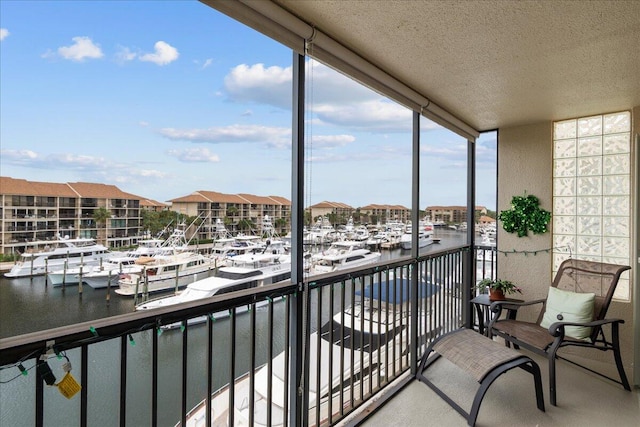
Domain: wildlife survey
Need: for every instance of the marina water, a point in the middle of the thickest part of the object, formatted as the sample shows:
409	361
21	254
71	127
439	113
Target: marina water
27	305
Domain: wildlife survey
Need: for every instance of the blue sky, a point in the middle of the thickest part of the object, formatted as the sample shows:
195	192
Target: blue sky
166	98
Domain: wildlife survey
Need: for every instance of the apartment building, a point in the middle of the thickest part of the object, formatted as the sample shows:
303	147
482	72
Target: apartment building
451	214
383	213
337	212
32	211
238	212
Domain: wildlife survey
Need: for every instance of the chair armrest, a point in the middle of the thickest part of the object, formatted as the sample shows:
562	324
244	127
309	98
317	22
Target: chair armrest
557	328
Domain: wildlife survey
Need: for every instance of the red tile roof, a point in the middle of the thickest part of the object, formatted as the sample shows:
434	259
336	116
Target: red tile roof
327	204
380	207
12	186
215	197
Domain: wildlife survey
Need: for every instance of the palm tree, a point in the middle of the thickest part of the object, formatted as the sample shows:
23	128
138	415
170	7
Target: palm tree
100	216
245	224
280	224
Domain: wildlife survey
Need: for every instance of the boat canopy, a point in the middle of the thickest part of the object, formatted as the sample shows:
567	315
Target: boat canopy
397	291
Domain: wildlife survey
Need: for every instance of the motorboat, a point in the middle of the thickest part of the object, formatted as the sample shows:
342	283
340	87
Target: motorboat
108	269
244	272
342	255
41	257
378	239
224	250
358	343
321	233
165	272
425	235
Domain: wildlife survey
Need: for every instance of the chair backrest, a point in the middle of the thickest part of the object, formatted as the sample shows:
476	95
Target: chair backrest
589	276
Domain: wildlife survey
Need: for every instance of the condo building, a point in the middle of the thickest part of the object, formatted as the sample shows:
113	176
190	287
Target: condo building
39	211
239	213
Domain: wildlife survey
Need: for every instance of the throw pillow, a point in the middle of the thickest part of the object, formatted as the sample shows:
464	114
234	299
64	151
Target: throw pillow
569	306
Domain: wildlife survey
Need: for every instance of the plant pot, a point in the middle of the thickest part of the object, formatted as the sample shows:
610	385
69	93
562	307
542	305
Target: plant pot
496	295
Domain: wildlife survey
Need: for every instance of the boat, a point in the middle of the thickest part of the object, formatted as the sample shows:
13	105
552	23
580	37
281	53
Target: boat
425	235
378	239
246	271
165	272
44	256
341	255
380	332
108	269
69	276
321	233
224	250
360	233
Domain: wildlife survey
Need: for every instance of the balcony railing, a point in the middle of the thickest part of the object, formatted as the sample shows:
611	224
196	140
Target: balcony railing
360	330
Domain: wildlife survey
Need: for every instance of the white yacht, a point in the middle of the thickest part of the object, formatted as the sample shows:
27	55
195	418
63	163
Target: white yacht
244	272
108	269
225	249
378	239
342	255
41	257
165	272
380	332
321	233
425	235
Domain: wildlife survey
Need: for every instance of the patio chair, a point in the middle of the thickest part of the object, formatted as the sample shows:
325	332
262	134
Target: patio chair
573	314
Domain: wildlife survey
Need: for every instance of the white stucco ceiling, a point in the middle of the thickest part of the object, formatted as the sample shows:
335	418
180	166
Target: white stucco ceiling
495	63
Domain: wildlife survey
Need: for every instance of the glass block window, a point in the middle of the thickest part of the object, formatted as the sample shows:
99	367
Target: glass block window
592	191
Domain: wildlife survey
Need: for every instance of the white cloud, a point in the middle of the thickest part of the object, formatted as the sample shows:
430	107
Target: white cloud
194	155
75	161
164	54
371	115
260	84
124	54
232	134
335	98
88	168
4	33
149	173
331	141
207	63
18	156
82	48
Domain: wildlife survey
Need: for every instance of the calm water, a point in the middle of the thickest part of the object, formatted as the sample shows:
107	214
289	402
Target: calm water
28	305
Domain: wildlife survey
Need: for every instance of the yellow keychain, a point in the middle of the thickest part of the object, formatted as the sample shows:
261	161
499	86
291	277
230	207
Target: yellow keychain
68	386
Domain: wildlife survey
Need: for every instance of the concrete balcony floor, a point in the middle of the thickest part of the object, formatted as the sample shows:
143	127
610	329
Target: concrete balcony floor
584	399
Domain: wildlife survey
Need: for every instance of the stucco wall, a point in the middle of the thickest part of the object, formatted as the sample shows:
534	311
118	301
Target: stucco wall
525	165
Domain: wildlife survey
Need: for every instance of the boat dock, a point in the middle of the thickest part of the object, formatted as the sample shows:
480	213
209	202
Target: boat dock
6	266
390	245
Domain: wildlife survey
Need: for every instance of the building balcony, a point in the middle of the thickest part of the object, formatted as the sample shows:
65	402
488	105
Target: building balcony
374	322
584	399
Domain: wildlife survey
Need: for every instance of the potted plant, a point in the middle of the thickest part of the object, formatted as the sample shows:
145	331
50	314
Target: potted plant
498	288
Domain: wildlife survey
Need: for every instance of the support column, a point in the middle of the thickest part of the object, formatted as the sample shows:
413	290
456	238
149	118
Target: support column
298	396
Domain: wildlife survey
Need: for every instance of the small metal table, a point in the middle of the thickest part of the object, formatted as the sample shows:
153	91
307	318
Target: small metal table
482	303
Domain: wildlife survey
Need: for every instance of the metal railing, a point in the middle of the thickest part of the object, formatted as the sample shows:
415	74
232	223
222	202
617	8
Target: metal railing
227	358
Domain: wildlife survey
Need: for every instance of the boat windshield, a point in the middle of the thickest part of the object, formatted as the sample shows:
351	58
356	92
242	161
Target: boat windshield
236	275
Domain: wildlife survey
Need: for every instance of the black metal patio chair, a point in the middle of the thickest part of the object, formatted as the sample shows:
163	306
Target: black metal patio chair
560	325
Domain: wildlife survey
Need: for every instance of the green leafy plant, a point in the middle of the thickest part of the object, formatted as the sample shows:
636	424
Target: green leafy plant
506	286
525	215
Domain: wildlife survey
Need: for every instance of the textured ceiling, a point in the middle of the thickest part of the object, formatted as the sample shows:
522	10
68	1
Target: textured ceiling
495	63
